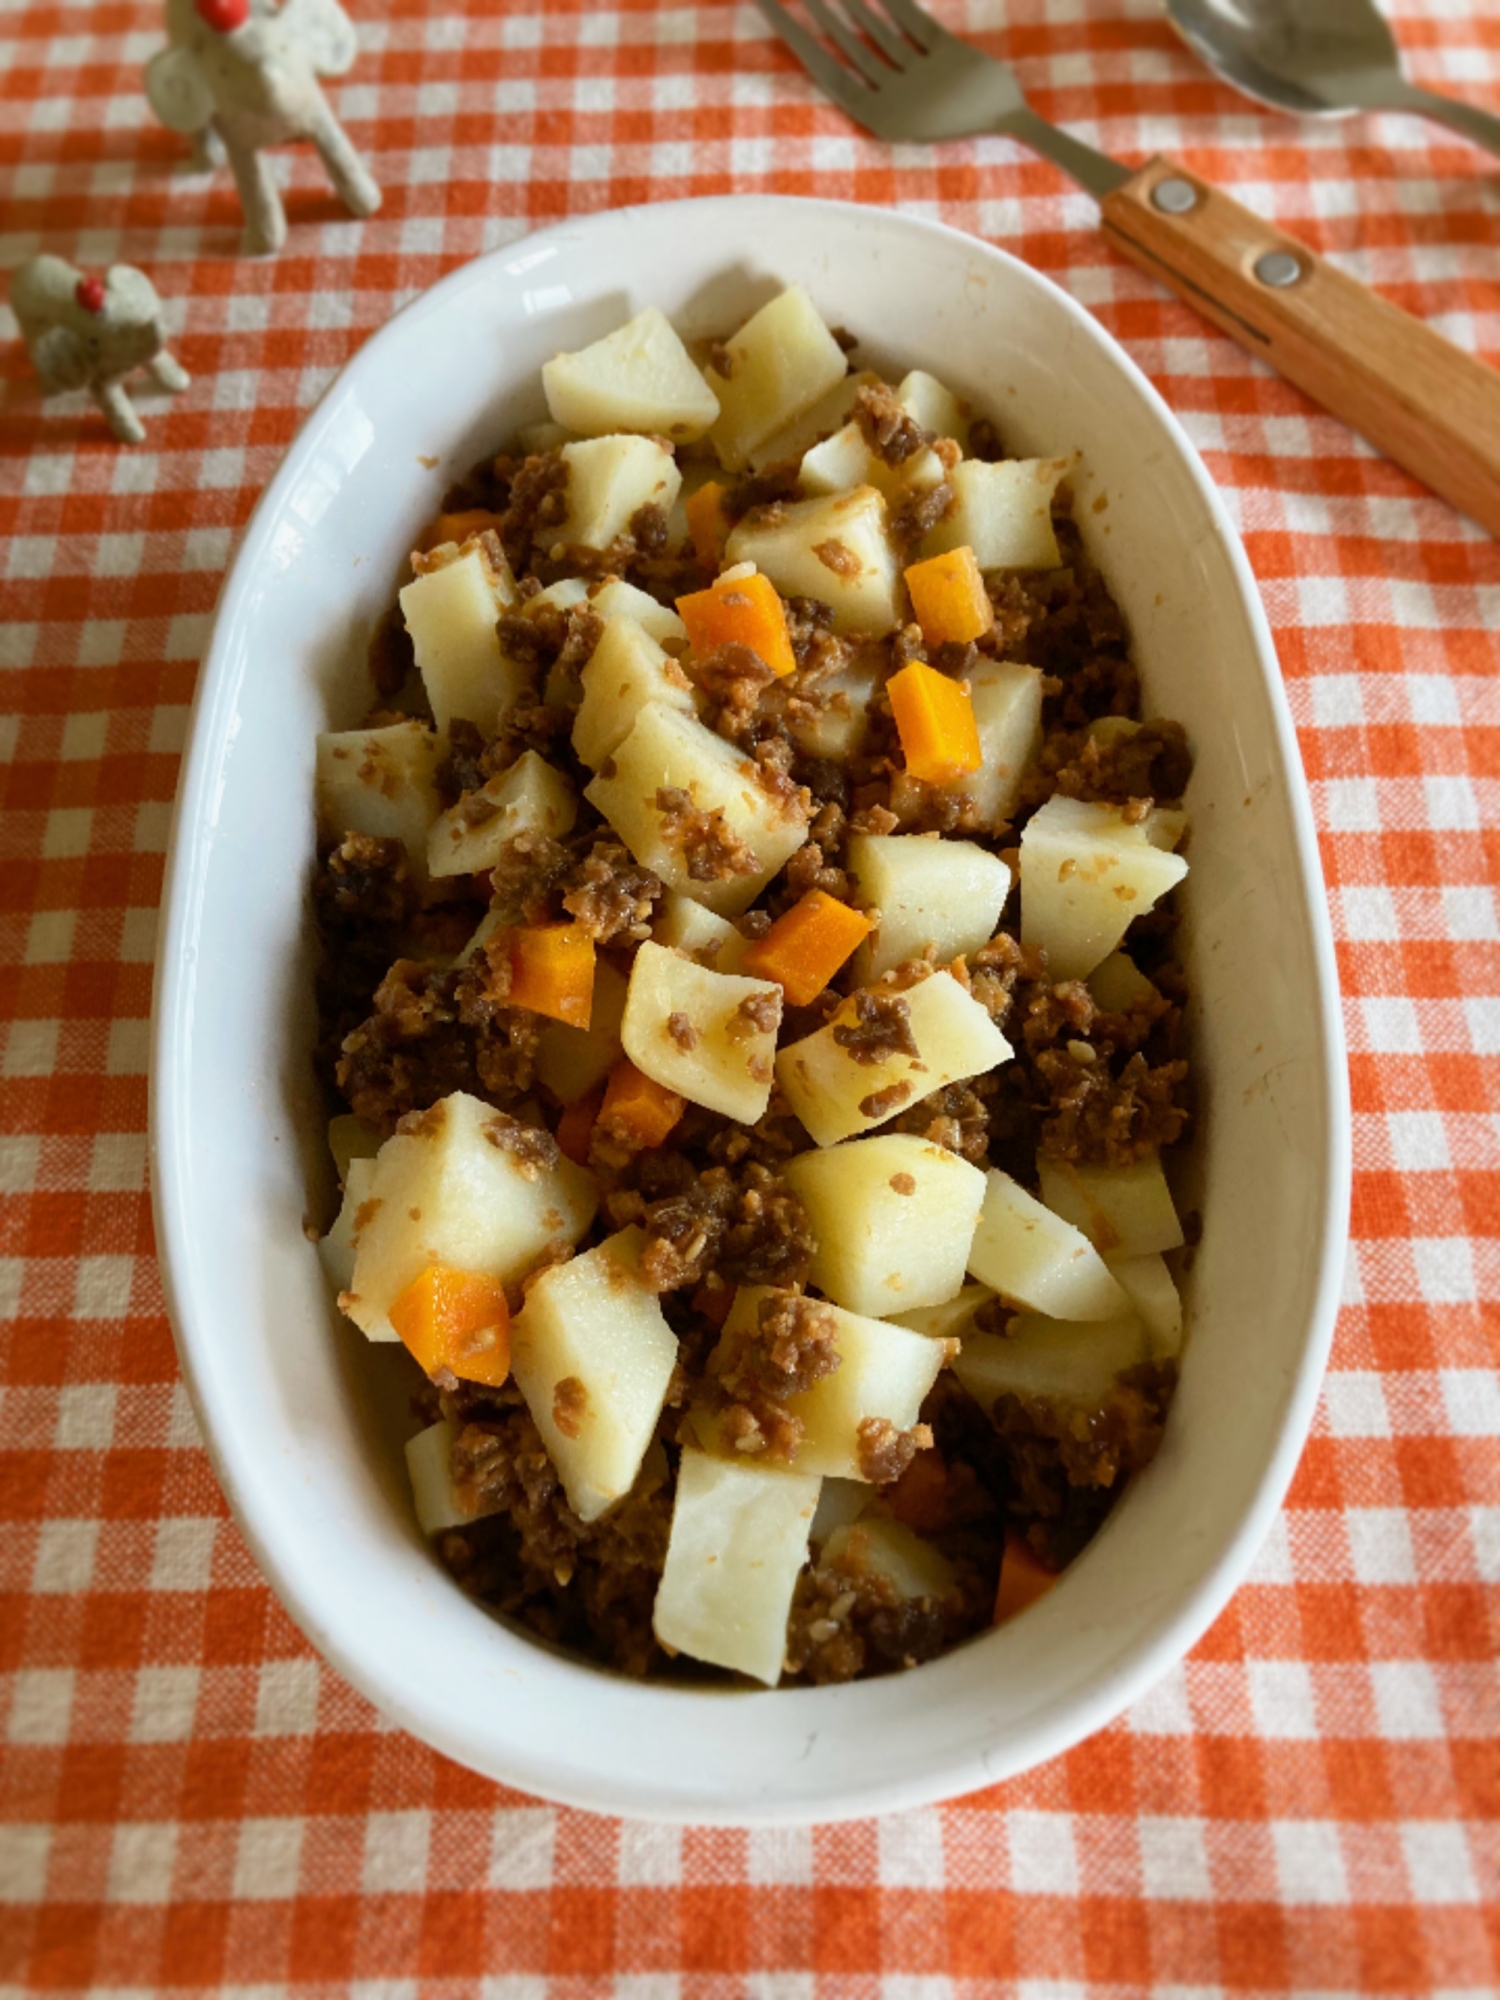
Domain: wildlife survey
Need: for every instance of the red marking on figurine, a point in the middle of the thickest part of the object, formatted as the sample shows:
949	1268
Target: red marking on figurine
223	16
89	293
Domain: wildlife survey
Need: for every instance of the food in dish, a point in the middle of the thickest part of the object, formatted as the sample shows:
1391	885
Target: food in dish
748	979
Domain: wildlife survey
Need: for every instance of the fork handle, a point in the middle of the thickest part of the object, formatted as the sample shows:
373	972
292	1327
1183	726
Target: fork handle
1427	404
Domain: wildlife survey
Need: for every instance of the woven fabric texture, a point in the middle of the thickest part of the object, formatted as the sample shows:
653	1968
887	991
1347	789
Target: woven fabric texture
189	1800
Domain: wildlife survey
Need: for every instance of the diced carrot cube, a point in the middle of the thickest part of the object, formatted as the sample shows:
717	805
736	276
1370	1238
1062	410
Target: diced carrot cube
740	611
640	1110
920	1496
935	720
708	524
949	598
552	972
575	1127
1022	1578
805	946
457	1320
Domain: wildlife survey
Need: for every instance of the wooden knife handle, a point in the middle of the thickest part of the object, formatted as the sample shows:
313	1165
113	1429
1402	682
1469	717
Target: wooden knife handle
1424	402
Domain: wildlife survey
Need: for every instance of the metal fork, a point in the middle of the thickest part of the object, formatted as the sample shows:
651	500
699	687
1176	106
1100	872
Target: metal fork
1432	408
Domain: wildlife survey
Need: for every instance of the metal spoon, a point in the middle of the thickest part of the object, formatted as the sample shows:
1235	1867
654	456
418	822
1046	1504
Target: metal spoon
1319	58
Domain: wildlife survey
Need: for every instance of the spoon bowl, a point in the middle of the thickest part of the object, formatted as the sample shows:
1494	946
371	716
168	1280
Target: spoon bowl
1317	59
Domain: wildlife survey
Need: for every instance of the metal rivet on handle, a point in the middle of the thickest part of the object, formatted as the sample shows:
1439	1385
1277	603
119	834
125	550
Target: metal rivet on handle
1174	196
1278	268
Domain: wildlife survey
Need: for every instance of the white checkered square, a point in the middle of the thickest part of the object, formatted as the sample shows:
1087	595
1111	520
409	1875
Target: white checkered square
911	1850
1407	1703
1380	1545
1043	1858
1174	1859
521	1848
41	1705
1309	1861
141	1863
268	1860
23	1863
396	1844
650	1855
1437	1859
780	1854
286	1698
86	1416
65	1553
166	1702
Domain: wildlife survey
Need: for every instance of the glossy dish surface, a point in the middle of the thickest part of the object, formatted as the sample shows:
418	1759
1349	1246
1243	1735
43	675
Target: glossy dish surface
307	1449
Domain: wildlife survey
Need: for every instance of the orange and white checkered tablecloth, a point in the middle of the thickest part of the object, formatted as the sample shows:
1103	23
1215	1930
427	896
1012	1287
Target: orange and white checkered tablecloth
189	1800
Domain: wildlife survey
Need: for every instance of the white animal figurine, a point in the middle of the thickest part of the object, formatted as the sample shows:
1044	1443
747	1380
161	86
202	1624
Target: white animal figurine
241	75
90	333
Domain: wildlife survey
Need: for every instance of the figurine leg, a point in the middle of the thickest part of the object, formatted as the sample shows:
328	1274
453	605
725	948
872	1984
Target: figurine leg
169	372
345	169
208	151
265	219
118	411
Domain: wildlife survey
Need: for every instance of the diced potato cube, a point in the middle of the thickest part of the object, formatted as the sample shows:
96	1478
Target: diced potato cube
902	1567
1007	703
638	378
782	360
1060	1360
835	548
336	1249
609	480
685	926
1032	1256
381	782
884	1373
538	439
1117	983
709	1036
1123	1211
570	1061
563	595
739	1541
1004	512
845	460
466	1189
946	893
840	1502
894	1217
350	1138
614	598
828	414
440	1502
593	1355
452	614
836	1095
531	796
1086	873
830	715
1149	1286
935	408
669	751
625	671
953	1320
837	463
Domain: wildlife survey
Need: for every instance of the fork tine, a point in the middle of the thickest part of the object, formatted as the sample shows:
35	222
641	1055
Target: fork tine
870	67
834	78
917	23
892	45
